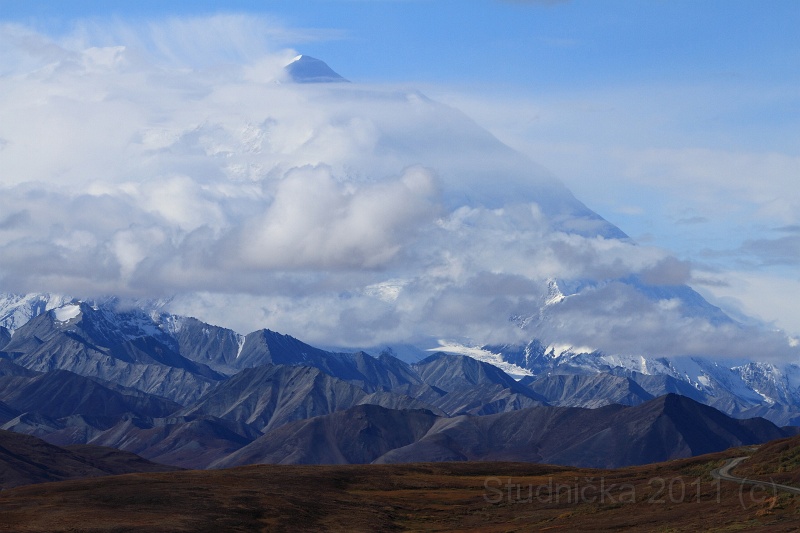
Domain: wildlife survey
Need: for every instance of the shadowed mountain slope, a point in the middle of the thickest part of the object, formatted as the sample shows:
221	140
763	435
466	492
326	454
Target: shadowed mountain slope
272	395
122	348
62	393
7	413
265	347
587	390
25	459
5	337
188	442
358	435
206	344
668	427
451	372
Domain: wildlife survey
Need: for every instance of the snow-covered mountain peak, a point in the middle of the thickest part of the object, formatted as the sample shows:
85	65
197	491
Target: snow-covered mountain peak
17	309
307	69
554	294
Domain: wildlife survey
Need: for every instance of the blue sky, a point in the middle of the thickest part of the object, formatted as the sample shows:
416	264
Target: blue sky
532	44
676	120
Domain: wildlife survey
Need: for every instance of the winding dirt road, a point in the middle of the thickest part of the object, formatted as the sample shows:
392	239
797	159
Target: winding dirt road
724	473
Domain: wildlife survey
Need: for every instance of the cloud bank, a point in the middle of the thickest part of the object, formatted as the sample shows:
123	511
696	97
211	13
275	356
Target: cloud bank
174	158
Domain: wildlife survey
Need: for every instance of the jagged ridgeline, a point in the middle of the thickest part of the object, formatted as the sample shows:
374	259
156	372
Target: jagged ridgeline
182	392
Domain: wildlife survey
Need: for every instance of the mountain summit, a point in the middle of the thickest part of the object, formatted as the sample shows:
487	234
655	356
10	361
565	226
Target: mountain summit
307	69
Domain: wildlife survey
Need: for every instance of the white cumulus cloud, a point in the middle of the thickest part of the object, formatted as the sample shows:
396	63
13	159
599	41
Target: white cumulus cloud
173	158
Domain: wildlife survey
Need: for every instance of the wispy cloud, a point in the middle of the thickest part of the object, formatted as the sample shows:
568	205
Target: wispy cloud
781	251
692	221
173	158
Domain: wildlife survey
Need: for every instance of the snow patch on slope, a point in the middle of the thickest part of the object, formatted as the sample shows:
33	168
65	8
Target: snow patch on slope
240	341
481	354
557	351
67	312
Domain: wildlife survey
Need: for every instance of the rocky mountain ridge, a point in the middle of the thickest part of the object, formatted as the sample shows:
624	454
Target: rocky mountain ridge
175	390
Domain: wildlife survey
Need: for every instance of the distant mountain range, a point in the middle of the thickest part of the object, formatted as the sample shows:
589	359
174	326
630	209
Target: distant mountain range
180	392
668	427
